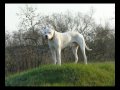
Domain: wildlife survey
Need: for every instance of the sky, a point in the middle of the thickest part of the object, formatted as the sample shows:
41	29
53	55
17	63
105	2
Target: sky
103	12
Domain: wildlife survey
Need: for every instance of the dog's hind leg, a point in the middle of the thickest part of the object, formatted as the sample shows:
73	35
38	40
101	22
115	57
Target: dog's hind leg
74	49
84	54
82	47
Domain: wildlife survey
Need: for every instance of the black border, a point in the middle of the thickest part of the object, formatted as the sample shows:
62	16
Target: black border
117	61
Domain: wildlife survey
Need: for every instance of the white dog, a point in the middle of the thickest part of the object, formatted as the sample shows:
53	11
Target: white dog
57	41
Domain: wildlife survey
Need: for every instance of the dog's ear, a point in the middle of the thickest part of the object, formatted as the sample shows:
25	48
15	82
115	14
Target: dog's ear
43	27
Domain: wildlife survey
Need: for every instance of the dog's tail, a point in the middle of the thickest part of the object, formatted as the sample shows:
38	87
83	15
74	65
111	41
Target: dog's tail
87	47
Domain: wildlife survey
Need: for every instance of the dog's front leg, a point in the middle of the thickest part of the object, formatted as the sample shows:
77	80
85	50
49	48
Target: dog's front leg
58	56
53	56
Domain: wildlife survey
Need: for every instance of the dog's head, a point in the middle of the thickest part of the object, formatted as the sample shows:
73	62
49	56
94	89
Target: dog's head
48	33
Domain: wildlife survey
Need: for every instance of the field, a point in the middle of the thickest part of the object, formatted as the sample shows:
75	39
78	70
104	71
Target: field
70	74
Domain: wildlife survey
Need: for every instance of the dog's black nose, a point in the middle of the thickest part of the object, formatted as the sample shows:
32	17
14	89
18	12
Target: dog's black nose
46	36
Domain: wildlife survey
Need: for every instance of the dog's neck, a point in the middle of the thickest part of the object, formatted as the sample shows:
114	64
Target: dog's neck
53	36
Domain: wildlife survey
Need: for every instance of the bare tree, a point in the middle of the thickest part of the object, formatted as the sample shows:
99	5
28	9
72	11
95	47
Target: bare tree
85	23
27	17
28	21
8	39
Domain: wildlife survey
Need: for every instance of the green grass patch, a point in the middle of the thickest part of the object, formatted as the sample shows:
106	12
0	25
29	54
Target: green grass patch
92	74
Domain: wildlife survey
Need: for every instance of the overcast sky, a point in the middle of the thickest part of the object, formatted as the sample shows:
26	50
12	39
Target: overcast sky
102	12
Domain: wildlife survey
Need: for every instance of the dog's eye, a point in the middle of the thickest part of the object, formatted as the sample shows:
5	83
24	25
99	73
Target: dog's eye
43	27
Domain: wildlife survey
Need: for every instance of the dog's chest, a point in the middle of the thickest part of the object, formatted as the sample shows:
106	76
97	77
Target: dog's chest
52	44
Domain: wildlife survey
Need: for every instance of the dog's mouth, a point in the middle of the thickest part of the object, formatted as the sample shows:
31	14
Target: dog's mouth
46	37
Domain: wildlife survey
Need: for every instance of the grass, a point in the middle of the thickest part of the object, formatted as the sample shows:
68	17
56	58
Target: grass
93	74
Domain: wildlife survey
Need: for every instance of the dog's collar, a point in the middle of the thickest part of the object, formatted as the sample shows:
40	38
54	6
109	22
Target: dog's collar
53	36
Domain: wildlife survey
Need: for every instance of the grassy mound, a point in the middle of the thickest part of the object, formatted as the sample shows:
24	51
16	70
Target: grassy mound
93	74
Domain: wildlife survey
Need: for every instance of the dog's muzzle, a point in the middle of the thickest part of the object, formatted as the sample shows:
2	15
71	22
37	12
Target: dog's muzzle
46	37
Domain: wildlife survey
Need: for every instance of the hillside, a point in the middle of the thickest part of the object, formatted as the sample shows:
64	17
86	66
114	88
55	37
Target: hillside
93	74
